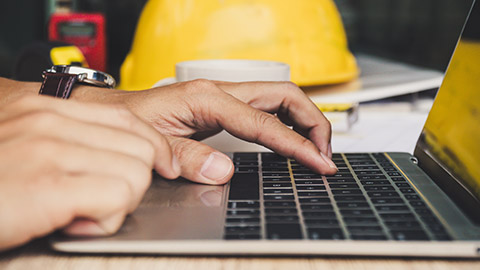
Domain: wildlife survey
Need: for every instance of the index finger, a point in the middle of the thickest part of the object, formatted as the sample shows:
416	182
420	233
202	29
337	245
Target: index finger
248	123
288	99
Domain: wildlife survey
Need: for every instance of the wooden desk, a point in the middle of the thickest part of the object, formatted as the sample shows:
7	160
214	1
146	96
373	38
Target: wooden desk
37	255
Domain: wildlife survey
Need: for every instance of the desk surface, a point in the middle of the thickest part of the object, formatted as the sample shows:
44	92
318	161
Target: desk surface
37	255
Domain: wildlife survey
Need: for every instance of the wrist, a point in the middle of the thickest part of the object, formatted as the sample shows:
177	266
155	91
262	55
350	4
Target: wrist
11	90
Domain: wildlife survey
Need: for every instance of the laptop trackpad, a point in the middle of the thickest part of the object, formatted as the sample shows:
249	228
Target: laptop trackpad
177	209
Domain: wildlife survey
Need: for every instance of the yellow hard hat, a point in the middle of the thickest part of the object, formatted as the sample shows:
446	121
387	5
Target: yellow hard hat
306	34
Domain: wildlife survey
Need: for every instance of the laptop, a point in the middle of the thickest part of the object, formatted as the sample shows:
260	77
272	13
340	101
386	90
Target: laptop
377	204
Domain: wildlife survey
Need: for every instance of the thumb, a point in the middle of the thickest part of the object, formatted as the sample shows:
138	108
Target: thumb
201	163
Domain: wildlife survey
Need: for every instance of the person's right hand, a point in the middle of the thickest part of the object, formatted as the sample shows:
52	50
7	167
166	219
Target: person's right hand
80	167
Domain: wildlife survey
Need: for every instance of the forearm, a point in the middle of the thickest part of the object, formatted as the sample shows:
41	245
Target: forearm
11	90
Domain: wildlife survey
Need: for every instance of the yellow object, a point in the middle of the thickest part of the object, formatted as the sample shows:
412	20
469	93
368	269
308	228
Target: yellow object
306	34
66	55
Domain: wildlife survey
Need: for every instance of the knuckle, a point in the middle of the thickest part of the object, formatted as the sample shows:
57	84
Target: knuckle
127	118
201	86
41	120
26	101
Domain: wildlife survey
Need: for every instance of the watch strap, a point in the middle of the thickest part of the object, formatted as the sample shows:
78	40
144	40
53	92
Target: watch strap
58	85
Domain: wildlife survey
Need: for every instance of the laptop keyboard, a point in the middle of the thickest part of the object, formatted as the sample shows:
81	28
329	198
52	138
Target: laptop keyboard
272	197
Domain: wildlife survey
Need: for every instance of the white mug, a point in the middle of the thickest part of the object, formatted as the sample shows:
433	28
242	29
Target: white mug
229	70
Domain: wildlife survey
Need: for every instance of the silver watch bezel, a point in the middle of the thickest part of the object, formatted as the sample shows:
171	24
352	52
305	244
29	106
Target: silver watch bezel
86	75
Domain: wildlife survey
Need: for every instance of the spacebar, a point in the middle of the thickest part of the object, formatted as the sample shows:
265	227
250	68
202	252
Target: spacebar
244	186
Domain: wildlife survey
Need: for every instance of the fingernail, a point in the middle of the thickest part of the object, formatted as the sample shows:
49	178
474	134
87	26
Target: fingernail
176	165
217	167
328	161
329	153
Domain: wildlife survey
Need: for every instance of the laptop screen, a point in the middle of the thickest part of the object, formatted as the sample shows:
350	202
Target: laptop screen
452	132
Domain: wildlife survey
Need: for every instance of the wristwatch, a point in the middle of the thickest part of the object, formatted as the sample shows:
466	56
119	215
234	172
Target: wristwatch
58	81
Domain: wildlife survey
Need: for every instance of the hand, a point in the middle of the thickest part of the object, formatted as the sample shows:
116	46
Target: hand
201	108
80	167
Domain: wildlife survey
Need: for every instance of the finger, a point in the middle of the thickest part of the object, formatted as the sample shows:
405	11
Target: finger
288	100
117	117
47	124
98	204
55	156
263	128
201	163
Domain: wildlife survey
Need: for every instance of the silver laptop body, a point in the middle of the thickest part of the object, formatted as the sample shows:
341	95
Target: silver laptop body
378	204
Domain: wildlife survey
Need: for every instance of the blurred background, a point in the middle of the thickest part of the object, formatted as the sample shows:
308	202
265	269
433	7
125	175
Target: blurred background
420	32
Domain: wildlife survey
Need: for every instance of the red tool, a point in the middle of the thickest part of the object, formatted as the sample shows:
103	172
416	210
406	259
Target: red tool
84	30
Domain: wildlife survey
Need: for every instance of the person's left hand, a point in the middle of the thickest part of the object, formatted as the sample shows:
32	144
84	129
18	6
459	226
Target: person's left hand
251	111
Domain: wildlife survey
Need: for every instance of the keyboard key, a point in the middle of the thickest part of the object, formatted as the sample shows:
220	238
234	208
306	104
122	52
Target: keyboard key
314	200
354	205
281	219
244	186
394	174
404	235
398	216
271	197
365	229
310	187
285	211
396	208
248	204
279	204
242	236
318	214
307	176
344	186
243	220
379	188
245	156
278	191
246	169
250	212
277	185
276	179
325	234
403	225
243	229
309	182
270	157
275	174
246	164
379	194
333	181
402	185
317	207
321	223
372	237
388	201
372	182
372	177
407	190
399	179
342	198
313	194
346	192
411	197
370	221
350	213
368	172
284	231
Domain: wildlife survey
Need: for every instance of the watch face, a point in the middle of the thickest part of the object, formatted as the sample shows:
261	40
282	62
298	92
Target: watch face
89	75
